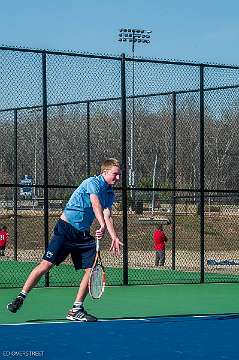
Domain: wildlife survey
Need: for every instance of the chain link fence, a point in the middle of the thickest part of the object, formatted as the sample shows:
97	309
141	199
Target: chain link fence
174	127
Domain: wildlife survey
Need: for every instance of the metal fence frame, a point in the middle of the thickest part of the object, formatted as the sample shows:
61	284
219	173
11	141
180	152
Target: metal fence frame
201	191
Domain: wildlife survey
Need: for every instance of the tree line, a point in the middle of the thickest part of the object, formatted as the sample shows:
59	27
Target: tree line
71	141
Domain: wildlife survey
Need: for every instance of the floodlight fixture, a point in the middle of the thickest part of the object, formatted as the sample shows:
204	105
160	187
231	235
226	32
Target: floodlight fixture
134	36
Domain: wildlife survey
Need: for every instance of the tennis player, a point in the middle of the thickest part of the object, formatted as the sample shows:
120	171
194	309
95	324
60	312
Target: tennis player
92	199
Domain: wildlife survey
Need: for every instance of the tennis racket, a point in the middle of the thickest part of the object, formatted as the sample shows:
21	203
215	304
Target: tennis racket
97	275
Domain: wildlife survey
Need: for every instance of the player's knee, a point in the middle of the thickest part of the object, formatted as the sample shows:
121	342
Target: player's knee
44	266
87	271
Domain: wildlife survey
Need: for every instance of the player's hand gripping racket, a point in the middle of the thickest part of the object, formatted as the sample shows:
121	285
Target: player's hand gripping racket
97	275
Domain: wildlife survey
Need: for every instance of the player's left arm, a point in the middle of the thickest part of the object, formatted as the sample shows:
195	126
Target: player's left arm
115	243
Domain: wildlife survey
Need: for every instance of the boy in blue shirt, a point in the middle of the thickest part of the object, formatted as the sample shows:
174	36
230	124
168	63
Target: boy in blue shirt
92	199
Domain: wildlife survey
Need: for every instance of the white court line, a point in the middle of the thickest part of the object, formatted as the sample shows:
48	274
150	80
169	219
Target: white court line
108	320
36	323
73	322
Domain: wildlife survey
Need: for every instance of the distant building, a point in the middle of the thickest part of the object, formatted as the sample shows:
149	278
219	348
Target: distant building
26	186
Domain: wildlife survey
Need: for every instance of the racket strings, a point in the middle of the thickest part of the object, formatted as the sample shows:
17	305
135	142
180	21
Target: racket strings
97	281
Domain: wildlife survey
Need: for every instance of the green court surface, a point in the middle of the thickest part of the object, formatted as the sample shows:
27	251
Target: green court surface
52	304
14	273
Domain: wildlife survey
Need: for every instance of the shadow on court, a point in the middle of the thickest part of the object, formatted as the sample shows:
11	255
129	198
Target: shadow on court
160	318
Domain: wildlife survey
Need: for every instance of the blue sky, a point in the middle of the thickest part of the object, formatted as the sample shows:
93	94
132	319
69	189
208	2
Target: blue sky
202	31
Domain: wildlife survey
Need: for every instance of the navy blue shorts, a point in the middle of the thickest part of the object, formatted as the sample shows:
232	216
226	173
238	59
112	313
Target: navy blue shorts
67	240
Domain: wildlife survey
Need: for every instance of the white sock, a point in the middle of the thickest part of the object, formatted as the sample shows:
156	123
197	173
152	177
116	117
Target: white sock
23	294
77	305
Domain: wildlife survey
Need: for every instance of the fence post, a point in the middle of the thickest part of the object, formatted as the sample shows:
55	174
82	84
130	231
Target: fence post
202	184
45	154
88	136
124	172
15	182
174	181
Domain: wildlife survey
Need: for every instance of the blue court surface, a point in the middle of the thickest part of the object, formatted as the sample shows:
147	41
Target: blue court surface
169	338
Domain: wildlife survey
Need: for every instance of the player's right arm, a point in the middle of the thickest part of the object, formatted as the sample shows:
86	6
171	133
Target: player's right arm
98	211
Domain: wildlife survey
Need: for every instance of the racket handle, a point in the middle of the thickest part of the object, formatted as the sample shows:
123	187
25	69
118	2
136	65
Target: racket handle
97	245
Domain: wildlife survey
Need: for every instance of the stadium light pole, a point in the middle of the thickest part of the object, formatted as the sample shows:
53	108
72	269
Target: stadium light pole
133	36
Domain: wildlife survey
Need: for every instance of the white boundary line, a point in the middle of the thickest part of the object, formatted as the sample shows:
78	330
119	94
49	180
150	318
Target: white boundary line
74	322
35	323
109	320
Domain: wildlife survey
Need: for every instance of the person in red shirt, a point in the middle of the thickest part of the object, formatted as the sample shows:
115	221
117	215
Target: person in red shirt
3	239
160	239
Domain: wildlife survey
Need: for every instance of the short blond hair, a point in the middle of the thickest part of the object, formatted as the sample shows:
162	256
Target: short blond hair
108	164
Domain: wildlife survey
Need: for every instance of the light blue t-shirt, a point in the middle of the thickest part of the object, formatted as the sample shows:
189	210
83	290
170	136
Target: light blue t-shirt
78	211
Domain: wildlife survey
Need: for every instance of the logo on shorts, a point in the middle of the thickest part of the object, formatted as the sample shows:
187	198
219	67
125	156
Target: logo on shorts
49	254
